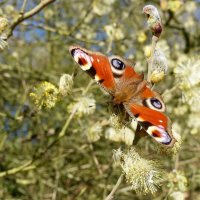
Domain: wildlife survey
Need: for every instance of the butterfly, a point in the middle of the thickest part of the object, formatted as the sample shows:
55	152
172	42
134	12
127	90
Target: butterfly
128	88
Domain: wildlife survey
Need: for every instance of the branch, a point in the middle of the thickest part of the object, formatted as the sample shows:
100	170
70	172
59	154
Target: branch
23	16
23	167
110	196
151	59
23	7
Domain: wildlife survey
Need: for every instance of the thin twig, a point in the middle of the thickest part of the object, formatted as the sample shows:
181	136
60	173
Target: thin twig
27	15
110	196
23	7
79	23
176	163
62	33
151	59
62	132
169	90
54	195
59	189
96	161
88	87
109	48
16	169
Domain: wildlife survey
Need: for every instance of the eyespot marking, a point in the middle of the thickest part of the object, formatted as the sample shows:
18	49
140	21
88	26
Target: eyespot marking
82	61
117	64
82	58
159	134
155	104
156	134
117	67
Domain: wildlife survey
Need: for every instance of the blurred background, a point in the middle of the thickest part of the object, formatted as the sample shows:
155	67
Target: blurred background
52	149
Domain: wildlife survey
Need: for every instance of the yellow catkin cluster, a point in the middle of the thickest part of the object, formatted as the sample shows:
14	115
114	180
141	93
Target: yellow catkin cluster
44	94
144	175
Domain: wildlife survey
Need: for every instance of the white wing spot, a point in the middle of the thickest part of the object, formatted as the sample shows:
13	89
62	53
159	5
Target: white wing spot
91	58
140	119
97	78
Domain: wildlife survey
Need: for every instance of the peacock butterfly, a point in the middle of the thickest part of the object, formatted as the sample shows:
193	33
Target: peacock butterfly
118	77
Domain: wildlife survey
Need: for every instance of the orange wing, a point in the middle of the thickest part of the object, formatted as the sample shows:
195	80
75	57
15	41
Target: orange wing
96	65
107	71
149	112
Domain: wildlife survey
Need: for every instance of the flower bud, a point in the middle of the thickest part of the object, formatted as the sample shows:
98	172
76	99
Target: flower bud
83	106
153	20
144	175
66	84
147	51
125	135
45	95
141	37
94	132
4	24
116	121
159	67
3	44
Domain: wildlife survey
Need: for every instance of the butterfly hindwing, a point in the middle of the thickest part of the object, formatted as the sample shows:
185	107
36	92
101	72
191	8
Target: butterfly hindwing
149	112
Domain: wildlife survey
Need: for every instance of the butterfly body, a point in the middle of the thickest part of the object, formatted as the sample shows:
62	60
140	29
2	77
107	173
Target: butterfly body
128	88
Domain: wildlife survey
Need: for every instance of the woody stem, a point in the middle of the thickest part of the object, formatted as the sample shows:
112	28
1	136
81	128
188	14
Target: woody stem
151	59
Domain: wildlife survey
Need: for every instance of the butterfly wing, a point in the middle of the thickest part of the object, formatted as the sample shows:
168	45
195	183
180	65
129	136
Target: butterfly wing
96	65
118	77
149	112
106	71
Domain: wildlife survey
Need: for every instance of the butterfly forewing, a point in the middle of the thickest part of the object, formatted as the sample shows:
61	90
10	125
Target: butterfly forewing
96	65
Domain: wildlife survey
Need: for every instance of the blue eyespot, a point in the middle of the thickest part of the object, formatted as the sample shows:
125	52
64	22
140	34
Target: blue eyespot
156	103
117	64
